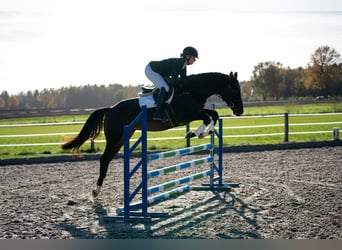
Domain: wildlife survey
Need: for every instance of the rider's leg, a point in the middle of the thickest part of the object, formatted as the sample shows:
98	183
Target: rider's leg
156	78
158	115
160	83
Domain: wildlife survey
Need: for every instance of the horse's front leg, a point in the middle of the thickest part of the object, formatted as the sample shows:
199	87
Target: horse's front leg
214	117
199	132
209	130
210	118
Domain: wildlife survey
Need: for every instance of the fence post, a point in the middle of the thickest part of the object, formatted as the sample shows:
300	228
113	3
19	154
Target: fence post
286	127
336	134
186	132
92	145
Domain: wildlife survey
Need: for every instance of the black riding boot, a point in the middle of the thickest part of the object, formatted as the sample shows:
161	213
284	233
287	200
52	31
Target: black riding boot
160	101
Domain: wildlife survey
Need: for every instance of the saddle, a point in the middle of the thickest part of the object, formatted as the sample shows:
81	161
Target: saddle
146	91
167	108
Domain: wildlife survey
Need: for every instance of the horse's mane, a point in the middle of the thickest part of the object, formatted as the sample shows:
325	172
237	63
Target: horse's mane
206	76
200	78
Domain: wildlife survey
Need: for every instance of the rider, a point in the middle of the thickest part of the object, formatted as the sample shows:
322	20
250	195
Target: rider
172	68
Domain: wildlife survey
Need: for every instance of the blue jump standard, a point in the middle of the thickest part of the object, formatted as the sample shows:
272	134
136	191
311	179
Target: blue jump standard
129	211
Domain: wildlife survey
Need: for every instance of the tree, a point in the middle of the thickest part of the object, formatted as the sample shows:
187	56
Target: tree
294	82
274	78
267	78
246	90
258	80
337	85
4	95
47	99
2	102
321	71
13	101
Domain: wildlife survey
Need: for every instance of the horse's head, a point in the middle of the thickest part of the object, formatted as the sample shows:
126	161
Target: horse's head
232	94
205	85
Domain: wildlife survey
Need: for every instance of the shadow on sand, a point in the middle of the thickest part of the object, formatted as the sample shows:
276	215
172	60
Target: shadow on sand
173	226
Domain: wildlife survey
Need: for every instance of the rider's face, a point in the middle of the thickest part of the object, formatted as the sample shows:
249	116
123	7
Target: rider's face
191	60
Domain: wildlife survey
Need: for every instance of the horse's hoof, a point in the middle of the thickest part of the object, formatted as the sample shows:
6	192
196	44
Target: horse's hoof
190	135
95	194
202	135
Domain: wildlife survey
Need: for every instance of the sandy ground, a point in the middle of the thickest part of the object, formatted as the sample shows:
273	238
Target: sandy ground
284	194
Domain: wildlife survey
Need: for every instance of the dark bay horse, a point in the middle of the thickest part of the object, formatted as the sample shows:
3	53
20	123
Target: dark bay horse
188	106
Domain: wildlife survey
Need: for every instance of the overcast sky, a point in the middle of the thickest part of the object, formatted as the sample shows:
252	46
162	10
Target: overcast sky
50	44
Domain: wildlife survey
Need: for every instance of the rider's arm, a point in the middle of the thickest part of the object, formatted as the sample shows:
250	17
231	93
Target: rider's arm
177	70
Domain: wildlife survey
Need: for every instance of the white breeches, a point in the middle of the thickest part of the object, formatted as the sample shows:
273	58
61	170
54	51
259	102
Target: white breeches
156	78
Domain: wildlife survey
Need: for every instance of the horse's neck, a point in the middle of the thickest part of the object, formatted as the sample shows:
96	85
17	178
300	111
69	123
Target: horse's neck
205	87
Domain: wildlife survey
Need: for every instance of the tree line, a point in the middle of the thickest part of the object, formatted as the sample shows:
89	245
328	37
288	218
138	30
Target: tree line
87	96
322	77
270	81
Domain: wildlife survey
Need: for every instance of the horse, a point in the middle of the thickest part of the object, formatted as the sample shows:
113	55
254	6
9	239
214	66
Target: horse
187	106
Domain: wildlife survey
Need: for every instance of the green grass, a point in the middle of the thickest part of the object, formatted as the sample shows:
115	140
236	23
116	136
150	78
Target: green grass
234	135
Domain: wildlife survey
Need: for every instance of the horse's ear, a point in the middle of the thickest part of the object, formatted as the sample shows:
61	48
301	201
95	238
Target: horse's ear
231	74
236	75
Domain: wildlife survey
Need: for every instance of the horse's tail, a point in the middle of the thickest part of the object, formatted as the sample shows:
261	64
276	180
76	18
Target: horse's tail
91	129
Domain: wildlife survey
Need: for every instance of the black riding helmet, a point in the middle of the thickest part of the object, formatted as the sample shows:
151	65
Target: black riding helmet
189	51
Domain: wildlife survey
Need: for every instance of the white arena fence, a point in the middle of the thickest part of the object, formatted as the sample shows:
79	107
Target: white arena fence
184	128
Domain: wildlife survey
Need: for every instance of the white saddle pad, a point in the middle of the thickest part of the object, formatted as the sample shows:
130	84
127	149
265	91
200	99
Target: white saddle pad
149	102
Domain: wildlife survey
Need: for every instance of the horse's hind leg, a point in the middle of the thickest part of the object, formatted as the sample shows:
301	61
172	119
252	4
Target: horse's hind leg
110	150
